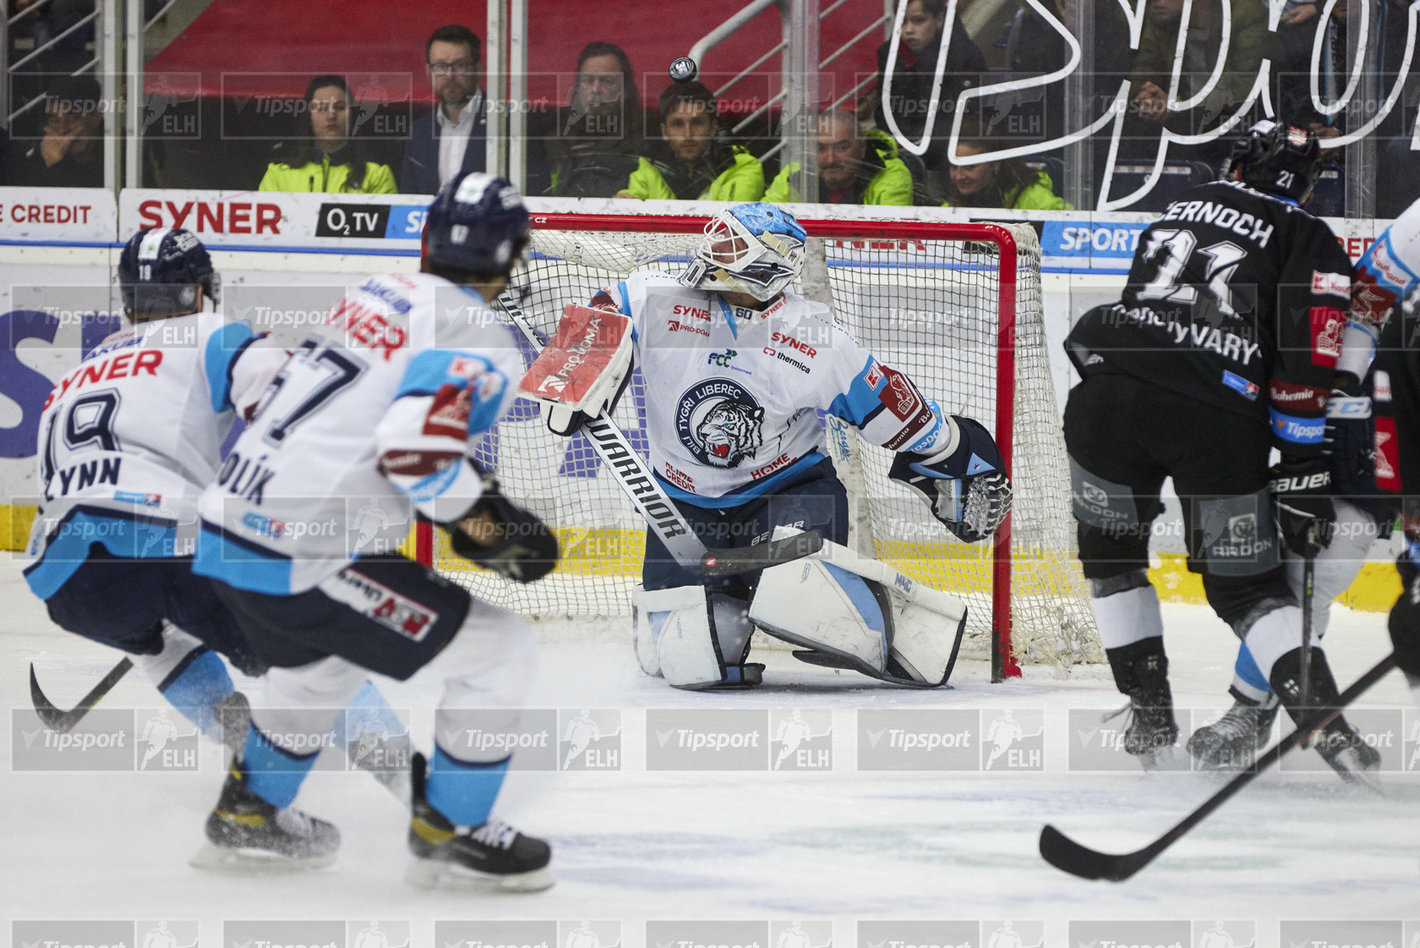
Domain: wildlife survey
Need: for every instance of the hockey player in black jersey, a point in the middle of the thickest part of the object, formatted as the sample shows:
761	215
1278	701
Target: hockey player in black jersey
1223	346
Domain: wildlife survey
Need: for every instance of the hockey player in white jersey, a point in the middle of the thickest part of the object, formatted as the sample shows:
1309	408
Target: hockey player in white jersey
738	365
381	405
129	438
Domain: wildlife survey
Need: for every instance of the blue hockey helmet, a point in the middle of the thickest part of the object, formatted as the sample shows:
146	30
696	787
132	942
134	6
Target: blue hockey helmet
753	248
1280	159
477	224
161	270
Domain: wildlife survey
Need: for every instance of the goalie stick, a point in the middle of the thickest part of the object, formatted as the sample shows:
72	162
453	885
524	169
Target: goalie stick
1065	854
64	721
634	476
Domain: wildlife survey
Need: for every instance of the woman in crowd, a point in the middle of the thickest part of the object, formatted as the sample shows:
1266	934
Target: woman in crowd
328	156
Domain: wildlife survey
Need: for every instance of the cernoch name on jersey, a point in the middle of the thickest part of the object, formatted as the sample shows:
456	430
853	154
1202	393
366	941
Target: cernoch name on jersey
719	422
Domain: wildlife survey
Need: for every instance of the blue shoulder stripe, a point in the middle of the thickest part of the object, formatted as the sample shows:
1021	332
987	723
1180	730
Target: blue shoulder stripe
432	369
243	565
223	348
861	400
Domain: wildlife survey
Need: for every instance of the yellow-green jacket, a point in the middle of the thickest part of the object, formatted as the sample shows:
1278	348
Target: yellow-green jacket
1034	195
326	177
742	181
882	179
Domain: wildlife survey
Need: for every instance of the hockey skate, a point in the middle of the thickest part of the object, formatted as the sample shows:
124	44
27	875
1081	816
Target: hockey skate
493	855
1151	731
247	834
1339	744
1232	741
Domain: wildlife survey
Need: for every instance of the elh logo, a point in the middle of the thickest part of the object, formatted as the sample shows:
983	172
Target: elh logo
800	933
1013	740
165	933
801	740
1219	934
1008	933
377	933
166	741
589	739
589	934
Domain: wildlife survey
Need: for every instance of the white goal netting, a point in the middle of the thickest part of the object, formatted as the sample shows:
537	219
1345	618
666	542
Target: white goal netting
952	305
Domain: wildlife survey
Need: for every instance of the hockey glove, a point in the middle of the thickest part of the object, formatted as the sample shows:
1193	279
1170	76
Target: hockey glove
1349	441
1301	501
967	488
500	536
1404	620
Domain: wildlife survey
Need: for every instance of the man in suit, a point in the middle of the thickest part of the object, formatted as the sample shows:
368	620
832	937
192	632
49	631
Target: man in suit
450	139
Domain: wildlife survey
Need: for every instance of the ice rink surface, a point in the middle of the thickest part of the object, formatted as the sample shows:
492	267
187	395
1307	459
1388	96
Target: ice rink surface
838	845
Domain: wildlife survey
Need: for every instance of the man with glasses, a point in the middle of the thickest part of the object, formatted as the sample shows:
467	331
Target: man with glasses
450	140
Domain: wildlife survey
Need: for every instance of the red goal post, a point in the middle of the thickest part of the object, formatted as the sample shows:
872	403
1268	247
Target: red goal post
957	306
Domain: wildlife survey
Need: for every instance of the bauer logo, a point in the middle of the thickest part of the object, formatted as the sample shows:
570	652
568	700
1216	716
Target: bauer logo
919	934
801	740
1115	934
589	740
1384	933
377	933
801	933
589	934
1381	728
495	934
166	741
707	934
1013	739
72	933
912	739
1215	934
718	739
103	740
1097	742
283	933
530	736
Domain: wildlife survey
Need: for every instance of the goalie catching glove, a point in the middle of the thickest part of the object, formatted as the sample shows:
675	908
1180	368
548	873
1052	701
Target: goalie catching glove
500	536
965	483
584	369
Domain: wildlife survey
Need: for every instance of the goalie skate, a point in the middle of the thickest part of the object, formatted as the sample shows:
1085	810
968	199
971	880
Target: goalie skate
247	834
1232	741
492	856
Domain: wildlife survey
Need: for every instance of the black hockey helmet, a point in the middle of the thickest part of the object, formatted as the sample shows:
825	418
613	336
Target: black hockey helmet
1279	159
161	270
477	224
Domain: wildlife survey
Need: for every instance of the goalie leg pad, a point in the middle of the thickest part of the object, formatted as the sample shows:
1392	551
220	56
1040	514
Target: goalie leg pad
693	639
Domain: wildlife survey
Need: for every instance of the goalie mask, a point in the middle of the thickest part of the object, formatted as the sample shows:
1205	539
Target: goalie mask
160	272
752	248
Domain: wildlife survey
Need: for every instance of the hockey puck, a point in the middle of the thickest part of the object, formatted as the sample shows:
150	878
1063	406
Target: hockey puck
684	69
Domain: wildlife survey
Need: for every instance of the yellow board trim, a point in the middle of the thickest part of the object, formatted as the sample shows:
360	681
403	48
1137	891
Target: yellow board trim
15	520
1375	588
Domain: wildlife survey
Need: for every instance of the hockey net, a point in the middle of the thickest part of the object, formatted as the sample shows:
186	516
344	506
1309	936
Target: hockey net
955	306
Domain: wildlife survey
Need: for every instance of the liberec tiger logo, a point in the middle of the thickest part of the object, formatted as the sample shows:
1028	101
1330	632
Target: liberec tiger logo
720	422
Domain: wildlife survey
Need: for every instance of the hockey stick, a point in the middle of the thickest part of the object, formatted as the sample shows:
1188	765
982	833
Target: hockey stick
63	721
1065	854
1308	589
634	476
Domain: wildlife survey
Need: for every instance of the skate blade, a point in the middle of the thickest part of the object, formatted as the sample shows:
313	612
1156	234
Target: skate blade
1368	780
1161	759
212	858
434	874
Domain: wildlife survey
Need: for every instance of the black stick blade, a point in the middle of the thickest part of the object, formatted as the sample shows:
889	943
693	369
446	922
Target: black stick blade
64	721
761	555
1065	854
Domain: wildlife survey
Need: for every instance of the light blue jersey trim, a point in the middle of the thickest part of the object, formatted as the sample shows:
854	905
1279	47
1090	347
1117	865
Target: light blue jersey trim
745	494
68	548
861	399
223	347
241	565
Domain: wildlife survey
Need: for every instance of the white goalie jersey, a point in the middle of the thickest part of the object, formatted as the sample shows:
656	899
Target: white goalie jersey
732	393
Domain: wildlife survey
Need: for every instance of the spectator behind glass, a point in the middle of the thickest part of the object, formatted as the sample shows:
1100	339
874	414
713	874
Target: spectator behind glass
70	154
328	157
693	159
602	135
910	97
1007	183
1248	45
452	138
1292	70
853	167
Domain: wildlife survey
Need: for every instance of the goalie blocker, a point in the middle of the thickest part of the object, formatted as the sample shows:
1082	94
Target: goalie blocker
868	618
584	368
